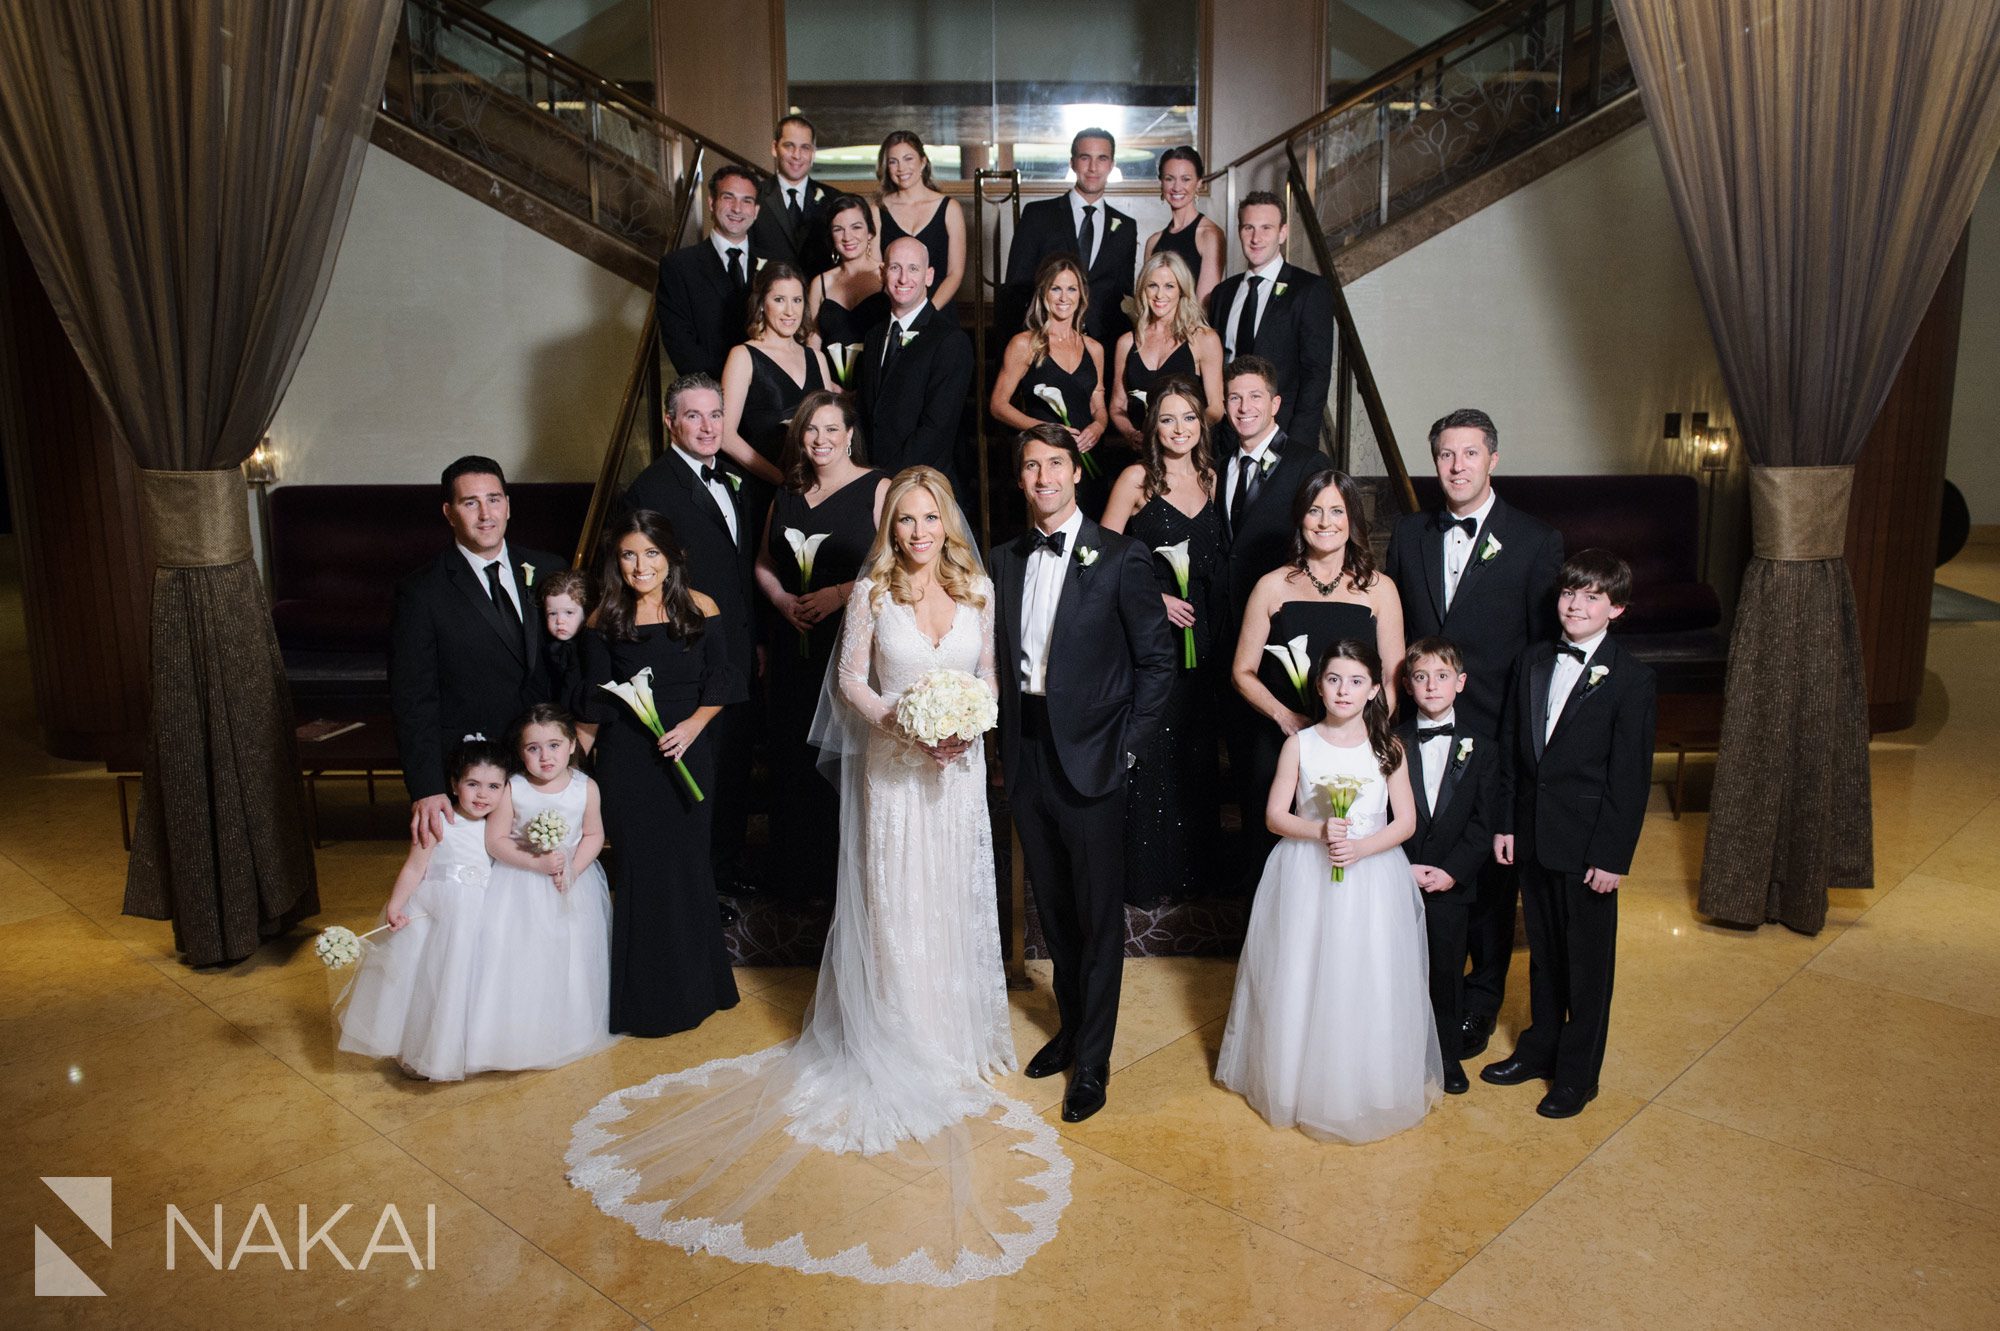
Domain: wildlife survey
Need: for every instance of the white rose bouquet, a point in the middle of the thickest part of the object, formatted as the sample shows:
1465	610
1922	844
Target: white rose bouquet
944	705
546	831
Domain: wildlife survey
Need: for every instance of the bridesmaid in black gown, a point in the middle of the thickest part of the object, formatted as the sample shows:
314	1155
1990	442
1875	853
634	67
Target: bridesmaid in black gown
847	300
765	378
1034	378
831	499
1173	795
669	967
1198	242
1170	336
1330	590
934	218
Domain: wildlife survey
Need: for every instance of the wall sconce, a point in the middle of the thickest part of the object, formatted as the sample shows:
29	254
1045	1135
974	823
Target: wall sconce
261	467
1714	445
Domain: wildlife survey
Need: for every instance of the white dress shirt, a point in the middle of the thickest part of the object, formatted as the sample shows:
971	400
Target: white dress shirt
1041	592
479	563
1099	224
1563	678
1269	272
722	247
1458	547
1436	753
1255	453
718	488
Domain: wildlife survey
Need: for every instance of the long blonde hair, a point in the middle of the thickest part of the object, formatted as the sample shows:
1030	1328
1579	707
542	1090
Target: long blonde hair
958	570
1187	310
1038	308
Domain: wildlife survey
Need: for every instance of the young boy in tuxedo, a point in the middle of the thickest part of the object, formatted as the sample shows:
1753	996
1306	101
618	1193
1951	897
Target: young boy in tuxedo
1573	797
1453	775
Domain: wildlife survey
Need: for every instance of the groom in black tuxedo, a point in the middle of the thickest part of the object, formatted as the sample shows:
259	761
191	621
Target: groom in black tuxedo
1085	665
465	644
1481	575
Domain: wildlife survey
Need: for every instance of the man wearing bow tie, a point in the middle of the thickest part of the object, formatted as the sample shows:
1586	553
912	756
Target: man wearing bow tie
700	494
1481	575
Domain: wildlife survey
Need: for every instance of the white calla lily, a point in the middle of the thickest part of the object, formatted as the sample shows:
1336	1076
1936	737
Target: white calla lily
1298	665
1052	395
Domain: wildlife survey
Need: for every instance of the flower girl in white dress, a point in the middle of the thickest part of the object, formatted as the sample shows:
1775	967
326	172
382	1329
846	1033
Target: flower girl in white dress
1330	1030
411	999
544	996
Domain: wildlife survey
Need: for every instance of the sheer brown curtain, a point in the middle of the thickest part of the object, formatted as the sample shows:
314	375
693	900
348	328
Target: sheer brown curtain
181	171
1823	157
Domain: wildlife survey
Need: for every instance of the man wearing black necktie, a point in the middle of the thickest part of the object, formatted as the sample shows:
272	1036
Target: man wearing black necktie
1079	221
700	494
1279	313
791	224
702	301
914	373
465	643
1482	575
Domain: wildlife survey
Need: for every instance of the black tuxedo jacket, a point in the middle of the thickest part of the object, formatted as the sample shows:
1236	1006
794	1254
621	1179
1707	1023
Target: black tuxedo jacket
1049	227
717	566
1264	539
1578	801
1296	335
911	414
701	315
807	247
1456	836
455	667
1503	603
1111	659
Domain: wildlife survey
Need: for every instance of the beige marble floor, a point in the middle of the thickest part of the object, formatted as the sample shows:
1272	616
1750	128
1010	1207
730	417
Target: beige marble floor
1793	1131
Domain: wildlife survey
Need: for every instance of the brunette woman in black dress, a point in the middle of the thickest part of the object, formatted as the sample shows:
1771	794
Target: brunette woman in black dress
824	517
1053	372
847	299
764	379
911	204
669	967
1167	501
1198	241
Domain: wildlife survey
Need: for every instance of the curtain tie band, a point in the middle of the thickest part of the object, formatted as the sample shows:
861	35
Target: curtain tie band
1799	513
195	519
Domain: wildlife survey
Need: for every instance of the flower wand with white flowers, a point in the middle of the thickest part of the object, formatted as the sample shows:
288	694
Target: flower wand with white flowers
804	547
1052	395
1177	560
637	694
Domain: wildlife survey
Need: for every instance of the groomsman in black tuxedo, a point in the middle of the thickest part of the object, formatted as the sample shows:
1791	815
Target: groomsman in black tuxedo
701	495
1481	574
465	645
1258	481
1279	313
1085	665
1080	222
1573	800
1454	772
915	372
702	301
791	223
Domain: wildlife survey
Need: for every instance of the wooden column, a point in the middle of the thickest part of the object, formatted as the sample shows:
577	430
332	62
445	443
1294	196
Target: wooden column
86	583
721	71
1892	522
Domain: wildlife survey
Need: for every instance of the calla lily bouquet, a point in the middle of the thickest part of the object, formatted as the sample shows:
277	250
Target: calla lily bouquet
1177	560
1340	792
637	693
804	548
1298	665
1052	395
843	356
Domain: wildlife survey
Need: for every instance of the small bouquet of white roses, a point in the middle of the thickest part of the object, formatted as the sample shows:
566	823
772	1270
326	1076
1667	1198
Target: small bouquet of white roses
1340	792
1052	395
546	831
637	693
946	704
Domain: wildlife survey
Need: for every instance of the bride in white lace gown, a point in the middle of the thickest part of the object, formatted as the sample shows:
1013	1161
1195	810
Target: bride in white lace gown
872	1146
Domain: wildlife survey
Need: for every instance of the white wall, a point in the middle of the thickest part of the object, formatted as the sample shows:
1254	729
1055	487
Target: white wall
1566	310
1974	460
449	328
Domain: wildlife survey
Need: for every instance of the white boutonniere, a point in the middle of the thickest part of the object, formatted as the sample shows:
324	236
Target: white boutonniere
1086	556
819	192
735	481
1279	289
907	336
1117	222
527	574
1597	674
760	265
1464	749
1270	461
1492	548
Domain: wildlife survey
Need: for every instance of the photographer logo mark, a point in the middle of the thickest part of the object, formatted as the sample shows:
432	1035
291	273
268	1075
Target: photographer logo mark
56	1275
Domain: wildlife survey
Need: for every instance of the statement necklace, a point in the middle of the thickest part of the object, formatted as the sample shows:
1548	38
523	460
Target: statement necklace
1323	588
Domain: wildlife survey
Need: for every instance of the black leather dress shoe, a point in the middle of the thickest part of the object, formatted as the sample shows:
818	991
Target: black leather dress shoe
1454	1079
1511	1072
1565	1101
1086	1094
1473	1033
1053	1058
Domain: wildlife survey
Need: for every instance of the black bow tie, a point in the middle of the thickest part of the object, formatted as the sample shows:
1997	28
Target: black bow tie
708	475
1435	732
1445	522
1570	649
1052	541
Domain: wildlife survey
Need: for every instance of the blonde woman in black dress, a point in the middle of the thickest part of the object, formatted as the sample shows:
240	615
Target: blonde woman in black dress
1053	361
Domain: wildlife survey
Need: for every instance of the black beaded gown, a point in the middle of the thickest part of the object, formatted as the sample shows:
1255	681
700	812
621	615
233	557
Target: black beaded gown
1173	795
839	325
1141	380
800	857
669	966
1323	623
1109	456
